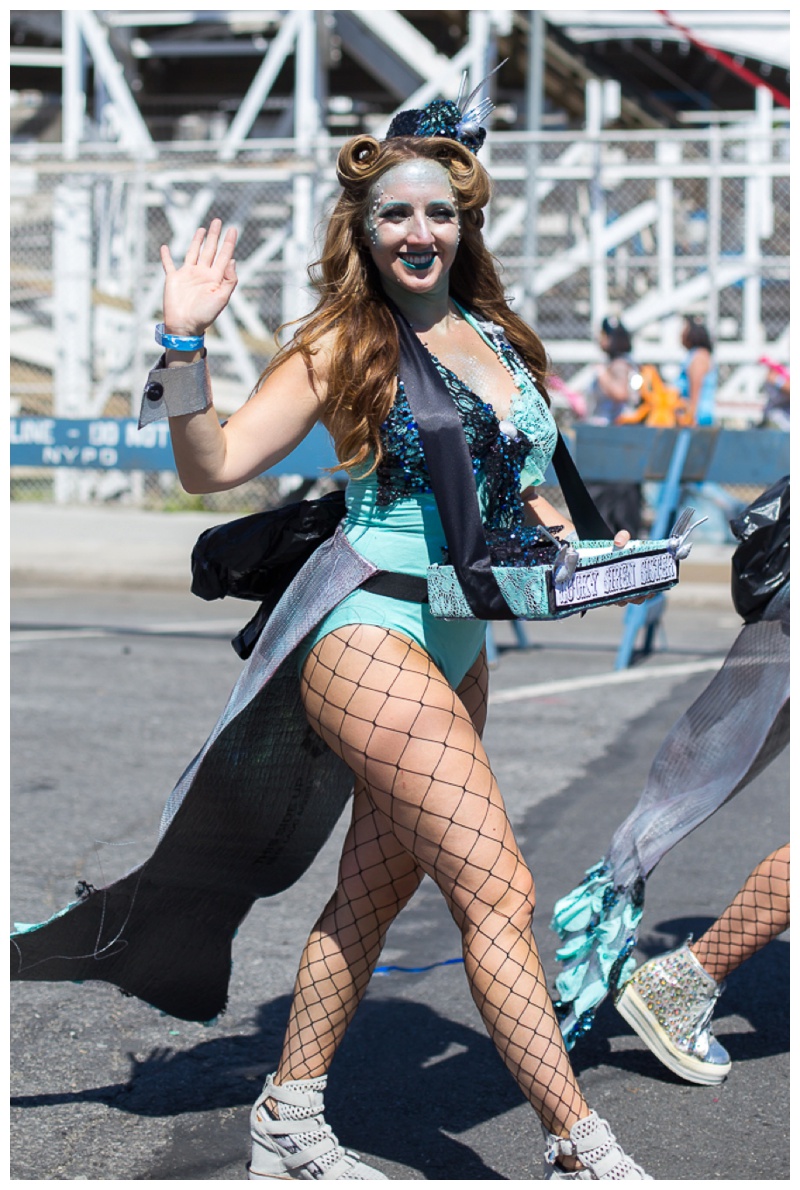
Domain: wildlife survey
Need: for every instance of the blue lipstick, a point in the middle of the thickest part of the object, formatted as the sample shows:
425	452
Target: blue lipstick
419	266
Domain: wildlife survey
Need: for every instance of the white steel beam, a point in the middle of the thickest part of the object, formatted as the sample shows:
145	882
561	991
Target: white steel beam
654	305
408	44
280	48
35	57
72	296
73	97
513	218
307	115
440	75
580	255
714	243
366	47
668	155
239	355
132	129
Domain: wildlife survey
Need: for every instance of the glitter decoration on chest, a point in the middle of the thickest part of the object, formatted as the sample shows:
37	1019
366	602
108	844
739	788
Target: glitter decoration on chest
499	448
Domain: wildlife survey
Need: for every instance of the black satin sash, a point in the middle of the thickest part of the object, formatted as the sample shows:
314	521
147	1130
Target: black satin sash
449	464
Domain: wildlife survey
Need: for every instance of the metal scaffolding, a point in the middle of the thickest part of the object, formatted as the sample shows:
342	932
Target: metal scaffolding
644	226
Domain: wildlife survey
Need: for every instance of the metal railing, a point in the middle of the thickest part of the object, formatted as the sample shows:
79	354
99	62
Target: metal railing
583	225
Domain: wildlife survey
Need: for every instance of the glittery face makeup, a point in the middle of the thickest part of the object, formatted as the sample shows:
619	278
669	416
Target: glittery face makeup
413	221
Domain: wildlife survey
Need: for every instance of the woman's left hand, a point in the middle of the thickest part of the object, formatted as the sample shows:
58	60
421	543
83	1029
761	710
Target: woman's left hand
621	539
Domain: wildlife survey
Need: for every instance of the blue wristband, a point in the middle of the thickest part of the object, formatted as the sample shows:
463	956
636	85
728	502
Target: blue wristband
178	342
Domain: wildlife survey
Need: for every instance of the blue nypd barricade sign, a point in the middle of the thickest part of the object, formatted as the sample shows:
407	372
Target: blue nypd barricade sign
113	443
105	442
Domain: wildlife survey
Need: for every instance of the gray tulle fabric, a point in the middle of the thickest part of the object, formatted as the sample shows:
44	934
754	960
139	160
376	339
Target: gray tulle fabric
245	820
333	571
727	737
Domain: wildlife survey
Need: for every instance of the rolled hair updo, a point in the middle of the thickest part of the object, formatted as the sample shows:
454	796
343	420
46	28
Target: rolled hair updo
362	372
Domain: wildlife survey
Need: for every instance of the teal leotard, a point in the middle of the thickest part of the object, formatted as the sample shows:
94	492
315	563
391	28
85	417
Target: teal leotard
392	518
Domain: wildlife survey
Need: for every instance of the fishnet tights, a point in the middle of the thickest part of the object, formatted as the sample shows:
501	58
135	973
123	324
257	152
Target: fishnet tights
426	802
757	914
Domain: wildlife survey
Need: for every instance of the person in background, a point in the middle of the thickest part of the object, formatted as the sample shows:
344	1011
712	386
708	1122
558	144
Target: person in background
776	396
669	1000
732	731
697	381
614	388
612	393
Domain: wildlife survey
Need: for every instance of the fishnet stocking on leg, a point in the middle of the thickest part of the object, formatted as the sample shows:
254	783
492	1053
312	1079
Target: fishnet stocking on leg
757	914
474	692
379	702
377	877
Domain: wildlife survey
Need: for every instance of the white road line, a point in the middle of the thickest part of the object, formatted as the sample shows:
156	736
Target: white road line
612	678
19	638
201	627
496	698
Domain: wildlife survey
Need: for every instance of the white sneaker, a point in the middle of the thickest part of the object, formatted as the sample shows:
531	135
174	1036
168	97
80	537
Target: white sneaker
296	1142
595	1146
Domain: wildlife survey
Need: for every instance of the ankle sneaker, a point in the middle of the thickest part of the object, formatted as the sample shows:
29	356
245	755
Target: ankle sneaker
669	1002
295	1142
593	1143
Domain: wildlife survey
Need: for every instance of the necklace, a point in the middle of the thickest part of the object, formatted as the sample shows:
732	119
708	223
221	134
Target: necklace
476	375
504	350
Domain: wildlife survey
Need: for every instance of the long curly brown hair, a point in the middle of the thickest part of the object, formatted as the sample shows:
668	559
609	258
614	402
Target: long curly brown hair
362	374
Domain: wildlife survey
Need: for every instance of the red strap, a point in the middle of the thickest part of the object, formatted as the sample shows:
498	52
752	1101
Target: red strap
726	60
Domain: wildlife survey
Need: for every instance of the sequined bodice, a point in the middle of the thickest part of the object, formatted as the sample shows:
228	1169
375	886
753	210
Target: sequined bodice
525	442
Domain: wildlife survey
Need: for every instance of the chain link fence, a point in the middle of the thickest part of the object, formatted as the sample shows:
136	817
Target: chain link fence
645	228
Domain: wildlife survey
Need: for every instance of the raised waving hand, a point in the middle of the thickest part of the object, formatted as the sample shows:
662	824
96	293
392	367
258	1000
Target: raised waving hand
196	293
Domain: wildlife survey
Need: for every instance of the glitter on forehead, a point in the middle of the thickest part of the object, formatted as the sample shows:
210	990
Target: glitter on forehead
419	171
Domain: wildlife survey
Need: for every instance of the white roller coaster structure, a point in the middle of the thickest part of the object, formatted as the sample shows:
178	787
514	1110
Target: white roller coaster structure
647	225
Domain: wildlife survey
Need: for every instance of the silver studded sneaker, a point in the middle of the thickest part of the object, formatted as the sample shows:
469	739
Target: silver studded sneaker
669	1002
292	1140
593	1143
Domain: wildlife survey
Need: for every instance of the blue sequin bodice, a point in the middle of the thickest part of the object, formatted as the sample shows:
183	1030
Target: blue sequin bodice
502	463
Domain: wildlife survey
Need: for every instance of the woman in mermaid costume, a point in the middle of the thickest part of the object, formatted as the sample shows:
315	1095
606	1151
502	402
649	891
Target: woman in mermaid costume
351	690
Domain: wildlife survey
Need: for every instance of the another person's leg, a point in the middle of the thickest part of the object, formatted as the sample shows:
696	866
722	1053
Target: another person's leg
380	703
758	913
669	1001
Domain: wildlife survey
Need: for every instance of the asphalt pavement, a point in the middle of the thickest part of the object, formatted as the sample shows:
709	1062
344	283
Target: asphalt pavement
118	675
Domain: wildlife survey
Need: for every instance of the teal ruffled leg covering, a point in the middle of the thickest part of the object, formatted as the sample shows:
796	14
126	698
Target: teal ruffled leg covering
598	922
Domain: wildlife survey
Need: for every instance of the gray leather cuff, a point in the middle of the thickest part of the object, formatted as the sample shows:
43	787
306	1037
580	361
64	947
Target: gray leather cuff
172	392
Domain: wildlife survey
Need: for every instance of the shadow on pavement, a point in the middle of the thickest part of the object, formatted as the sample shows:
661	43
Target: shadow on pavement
404	1079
